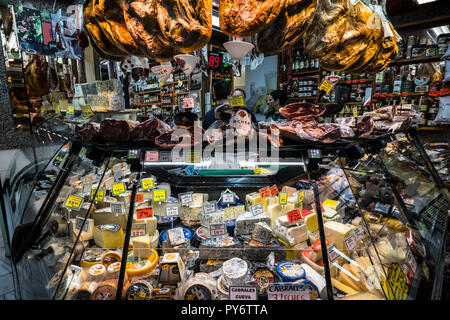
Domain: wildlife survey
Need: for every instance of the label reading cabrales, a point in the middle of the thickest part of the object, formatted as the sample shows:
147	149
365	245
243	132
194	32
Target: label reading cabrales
295	291
243	293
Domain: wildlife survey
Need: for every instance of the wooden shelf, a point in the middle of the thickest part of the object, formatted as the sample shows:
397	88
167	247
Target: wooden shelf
305	73
425	128
302	98
402	62
150	91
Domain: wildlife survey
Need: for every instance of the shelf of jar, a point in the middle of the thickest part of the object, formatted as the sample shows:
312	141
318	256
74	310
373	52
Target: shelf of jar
415	60
302	98
306	73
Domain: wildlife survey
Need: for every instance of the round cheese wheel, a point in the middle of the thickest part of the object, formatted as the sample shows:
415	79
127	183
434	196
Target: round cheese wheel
141	267
97	272
200	286
111	257
139	290
235	271
86	290
290	271
222	286
263	278
106	290
113	272
91	257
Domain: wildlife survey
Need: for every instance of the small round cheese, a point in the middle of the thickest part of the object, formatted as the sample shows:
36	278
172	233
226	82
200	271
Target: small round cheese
290	271
97	272
139	290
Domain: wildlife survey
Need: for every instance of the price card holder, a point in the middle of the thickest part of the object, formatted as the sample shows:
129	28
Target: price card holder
159	195
359	233
152	156
314	153
332	253
355	112
79	222
301	196
217	230
185	198
274	190
148	184
134	154
411	261
100	195
144	213
116	207
118	188
350	242
326	86
257	209
74	202
264	192
87	111
172	212
283	198
243	293
70	110
210	207
138	229
228	198
294	215
139	198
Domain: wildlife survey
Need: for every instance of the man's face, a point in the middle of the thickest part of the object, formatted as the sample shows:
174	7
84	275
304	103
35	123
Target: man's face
272	103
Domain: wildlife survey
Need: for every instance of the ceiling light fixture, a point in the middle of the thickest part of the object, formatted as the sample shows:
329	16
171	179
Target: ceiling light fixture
419	2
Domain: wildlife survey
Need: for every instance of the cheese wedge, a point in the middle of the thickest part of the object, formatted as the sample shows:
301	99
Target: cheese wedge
339	285
142	246
336	232
109	236
346	278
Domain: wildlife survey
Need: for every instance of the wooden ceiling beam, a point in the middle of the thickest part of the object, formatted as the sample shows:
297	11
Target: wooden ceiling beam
429	16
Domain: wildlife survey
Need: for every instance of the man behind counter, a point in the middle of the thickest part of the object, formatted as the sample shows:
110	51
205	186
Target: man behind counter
222	91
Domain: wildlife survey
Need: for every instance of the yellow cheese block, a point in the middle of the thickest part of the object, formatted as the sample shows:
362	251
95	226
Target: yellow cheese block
311	222
109	236
339	285
151	224
336	232
142	246
85	235
346	279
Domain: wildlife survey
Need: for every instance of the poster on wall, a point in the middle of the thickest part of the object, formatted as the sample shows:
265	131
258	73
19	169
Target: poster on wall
47	34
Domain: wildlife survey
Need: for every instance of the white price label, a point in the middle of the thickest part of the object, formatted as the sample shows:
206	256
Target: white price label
172	212
209	207
138	229
257	209
332	254
411	261
350	243
292	291
217	230
116	207
359	233
243	293
227	198
79	223
185	198
86	188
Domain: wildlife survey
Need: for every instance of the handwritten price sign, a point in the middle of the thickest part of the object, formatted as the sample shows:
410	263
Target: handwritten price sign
274	190
100	194
294	215
74	202
283	197
139	198
144	213
118	188
159	195
301	196
148	184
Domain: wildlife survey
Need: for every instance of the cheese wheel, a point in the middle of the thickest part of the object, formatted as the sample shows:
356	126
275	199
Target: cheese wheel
97	273
235	271
86	290
200	286
106	290
139	290
141	267
111	257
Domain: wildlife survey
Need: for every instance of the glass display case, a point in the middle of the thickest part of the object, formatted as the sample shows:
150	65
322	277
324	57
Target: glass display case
351	220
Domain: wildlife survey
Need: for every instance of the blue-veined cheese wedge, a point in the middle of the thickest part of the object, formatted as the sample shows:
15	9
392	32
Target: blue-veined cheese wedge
188	234
290	271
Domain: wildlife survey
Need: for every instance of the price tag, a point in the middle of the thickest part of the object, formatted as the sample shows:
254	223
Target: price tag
148	184
188	103
86	188
292	291
228	198
283	197
70	110
193	157
172	212
359	233
217	230
433	93
411	261
444	92
257	209
397	283
87	111
74	202
209	207
165	156
118	188
355	81
355	112
57	109
159	195
294	215
243	293
236	101
185	198
100	195
79	222
144	213
133	154
116	207
152	156
264	192
350	242
332	254
138	229
326	86
301	196
139	198
274	190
